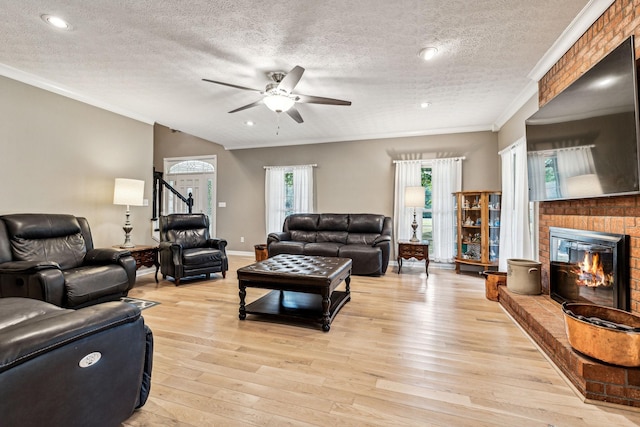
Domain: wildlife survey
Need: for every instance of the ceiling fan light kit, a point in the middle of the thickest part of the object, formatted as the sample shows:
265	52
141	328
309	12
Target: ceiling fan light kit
278	103
278	96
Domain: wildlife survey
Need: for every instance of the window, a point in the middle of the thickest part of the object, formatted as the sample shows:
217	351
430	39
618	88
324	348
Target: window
288	190
191	166
288	193
427	212
552	183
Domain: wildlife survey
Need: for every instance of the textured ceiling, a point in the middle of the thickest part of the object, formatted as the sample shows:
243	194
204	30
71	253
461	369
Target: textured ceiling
147	58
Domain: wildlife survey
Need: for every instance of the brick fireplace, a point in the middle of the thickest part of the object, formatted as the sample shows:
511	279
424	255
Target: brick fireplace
541	316
589	267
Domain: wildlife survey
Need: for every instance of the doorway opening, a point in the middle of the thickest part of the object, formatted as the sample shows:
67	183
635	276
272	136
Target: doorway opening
195	175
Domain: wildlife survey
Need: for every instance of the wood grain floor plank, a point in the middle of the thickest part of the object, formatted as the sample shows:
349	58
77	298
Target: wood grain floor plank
407	350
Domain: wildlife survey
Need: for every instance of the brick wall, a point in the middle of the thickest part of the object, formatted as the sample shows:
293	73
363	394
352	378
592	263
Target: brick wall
619	215
620	21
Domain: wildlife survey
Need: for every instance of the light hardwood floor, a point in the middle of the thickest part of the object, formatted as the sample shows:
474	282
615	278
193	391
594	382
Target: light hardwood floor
405	351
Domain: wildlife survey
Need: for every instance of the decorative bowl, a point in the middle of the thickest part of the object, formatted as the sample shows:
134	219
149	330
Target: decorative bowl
604	333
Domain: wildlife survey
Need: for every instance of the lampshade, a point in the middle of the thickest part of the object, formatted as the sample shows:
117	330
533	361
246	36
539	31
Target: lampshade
278	103
414	197
128	192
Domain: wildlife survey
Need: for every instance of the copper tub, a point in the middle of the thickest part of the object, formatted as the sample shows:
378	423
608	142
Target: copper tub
604	333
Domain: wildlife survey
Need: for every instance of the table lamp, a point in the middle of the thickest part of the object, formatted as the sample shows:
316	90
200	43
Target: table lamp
414	198
129	192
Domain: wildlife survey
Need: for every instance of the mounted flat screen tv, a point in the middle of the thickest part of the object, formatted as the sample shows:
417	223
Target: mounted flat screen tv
584	142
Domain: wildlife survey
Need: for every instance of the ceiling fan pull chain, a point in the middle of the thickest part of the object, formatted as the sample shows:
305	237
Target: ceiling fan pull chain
278	124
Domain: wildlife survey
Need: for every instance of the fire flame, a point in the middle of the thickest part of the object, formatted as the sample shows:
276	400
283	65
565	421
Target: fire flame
591	272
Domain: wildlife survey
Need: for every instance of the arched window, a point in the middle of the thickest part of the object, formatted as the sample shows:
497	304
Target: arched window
191	166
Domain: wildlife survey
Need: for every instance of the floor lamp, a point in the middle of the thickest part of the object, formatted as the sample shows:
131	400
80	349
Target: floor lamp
129	192
414	198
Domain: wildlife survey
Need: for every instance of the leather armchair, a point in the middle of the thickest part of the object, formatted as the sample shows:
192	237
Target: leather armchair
51	257
62	367
186	249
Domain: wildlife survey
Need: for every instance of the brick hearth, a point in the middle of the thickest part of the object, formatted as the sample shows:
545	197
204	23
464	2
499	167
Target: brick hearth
543	319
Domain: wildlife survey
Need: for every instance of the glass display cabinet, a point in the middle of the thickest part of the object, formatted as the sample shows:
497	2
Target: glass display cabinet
478	228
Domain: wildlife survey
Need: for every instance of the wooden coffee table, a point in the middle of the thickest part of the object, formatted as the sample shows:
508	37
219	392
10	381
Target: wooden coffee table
303	287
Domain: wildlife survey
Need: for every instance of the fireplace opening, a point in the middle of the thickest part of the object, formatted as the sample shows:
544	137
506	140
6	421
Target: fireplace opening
589	267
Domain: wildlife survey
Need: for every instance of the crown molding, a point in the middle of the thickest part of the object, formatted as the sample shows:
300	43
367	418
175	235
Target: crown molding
530	90
580	24
39	82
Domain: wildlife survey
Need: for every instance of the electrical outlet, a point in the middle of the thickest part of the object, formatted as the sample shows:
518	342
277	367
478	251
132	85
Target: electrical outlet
241	239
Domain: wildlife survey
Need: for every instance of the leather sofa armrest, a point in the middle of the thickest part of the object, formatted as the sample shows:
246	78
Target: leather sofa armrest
27	267
278	236
105	256
163	246
219	244
381	239
58	327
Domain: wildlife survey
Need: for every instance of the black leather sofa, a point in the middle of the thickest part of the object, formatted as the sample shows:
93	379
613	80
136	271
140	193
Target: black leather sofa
62	367
365	238
51	257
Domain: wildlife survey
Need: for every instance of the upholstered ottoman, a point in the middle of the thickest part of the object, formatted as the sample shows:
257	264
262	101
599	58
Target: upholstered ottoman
303	287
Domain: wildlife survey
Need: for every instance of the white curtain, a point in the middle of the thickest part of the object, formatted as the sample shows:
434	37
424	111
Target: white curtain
275	193
302	189
408	174
536	175
573	163
446	179
274	199
515	234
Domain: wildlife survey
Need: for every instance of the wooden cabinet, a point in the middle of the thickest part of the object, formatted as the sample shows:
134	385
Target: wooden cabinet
417	250
478	228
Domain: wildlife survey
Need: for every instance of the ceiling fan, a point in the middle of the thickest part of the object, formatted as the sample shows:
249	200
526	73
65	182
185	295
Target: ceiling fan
279	97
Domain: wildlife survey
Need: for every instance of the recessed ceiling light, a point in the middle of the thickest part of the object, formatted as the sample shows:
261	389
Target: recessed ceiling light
249	123
425	104
56	21
427	53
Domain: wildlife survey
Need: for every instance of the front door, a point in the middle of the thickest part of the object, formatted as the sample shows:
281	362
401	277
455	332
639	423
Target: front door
195	175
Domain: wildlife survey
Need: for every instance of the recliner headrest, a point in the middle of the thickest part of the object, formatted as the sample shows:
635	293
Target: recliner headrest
185	221
40	226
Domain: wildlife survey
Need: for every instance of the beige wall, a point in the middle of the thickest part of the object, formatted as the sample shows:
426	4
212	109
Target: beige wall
514	129
352	176
62	156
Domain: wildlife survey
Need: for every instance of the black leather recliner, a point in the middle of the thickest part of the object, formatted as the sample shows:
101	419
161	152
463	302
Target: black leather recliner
62	367
186	249
51	257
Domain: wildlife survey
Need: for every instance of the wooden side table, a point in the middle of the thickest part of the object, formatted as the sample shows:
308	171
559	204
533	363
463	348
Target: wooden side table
417	250
145	256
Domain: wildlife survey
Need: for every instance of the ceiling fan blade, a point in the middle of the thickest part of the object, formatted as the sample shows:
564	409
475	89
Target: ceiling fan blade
294	114
308	99
231	85
253	104
291	79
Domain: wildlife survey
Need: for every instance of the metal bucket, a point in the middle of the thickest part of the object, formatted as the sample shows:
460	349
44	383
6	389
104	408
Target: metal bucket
523	276
261	252
493	279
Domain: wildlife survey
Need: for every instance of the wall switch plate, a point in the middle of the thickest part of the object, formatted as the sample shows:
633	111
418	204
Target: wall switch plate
222	204
241	239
